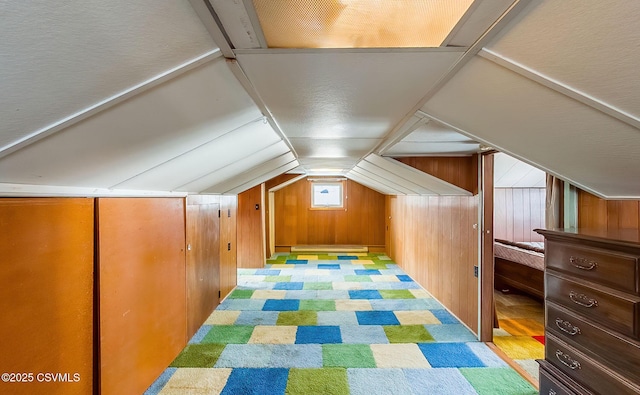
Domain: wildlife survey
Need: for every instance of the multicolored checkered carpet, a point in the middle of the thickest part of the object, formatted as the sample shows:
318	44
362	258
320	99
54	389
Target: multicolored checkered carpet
335	324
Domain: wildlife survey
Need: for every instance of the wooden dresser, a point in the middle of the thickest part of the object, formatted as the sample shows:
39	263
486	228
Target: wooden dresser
592	308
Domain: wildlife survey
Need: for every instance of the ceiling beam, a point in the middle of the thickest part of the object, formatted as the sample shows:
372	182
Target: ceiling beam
109	102
560	87
206	14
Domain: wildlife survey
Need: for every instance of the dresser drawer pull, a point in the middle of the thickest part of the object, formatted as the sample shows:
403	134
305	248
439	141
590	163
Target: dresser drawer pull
567	360
582	299
583	263
567	327
552	392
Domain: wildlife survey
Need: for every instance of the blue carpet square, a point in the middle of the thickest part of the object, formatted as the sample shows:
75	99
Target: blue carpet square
160	382
364	294
450	355
200	334
347	258
377	318
288	286
365	334
244	356
241	304
404	277
488	357
366	272
281	305
257	318
369	381
256	381
445	317
337	318
296	356
438	381
268	272
328	266
318	335
296	261
457	333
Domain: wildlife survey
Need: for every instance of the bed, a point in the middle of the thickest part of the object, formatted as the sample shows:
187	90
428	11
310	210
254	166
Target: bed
519	266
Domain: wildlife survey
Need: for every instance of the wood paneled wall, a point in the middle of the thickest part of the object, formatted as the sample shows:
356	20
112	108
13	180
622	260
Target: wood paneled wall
361	222
251	251
47	293
594	212
141	262
517	211
457	170
228	247
432	238
203	259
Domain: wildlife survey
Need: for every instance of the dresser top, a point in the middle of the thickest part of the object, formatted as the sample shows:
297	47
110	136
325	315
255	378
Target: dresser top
621	237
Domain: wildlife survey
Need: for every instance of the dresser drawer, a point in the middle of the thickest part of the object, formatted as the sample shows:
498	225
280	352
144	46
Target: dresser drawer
554	382
585	370
614	269
618	353
614	310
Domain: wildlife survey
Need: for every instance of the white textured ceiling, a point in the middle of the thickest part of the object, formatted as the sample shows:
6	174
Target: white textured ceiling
509	172
58	58
136	96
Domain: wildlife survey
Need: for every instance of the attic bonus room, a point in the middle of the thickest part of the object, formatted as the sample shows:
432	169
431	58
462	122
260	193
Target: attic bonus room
304	196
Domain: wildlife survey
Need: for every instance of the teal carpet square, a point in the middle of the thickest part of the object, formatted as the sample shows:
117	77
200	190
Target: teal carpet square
296	356
245	356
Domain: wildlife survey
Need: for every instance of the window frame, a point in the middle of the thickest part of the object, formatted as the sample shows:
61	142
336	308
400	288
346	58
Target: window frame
321	183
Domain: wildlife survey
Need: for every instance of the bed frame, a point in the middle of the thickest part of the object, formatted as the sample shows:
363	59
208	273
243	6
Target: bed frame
519	266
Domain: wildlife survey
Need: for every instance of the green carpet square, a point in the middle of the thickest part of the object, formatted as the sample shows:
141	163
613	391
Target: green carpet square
229	334
241	294
396	294
273	262
328	381
198	356
407	334
502	381
318	305
348	356
323	286
277	279
297	318
357	278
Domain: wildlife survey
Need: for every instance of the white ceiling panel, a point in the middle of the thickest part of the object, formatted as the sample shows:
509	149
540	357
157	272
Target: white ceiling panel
333	148
592	46
327	163
233	146
235	168
376	177
510	172
415	148
546	129
343	93
376	186
58	58
255	175
137	134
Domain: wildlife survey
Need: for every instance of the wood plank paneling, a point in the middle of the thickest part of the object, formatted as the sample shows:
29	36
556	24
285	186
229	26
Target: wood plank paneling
594	212
517	211
46	293
228	247
433	240
361	222
457	170
250	228
203	259
141	262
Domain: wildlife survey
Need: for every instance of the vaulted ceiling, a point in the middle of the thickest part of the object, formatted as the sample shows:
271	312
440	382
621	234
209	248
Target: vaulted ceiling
157	97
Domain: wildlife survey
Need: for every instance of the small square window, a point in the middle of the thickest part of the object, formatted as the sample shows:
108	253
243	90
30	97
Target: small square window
326	195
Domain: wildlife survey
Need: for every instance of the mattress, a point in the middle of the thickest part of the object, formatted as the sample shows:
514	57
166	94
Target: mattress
524	253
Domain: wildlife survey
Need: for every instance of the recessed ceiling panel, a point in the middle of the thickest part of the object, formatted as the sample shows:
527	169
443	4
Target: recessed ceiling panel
553	132
58	59
137	134
333	148
416	148
358	23
592	48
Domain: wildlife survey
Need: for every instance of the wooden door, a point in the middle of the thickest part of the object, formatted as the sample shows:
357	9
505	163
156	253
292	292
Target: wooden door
203	259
